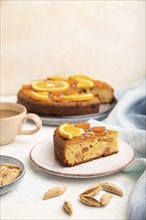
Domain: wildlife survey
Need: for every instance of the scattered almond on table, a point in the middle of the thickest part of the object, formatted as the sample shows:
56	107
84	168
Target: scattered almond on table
113	188
105	199
53	192
68	208
90	201
92	190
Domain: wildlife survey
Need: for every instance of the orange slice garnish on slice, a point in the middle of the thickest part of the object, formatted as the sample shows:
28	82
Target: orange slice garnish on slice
85	84
69	131
50	86
78	97
42	96
77	77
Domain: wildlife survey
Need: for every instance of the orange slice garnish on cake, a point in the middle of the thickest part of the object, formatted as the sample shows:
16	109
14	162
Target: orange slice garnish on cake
41	96
50	86
69	131
85	84
78	97
60	78
83	81
77	77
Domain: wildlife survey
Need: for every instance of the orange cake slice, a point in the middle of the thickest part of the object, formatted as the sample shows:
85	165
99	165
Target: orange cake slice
78	143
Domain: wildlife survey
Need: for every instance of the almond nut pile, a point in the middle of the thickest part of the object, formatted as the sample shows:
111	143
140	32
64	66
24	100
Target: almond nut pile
8	173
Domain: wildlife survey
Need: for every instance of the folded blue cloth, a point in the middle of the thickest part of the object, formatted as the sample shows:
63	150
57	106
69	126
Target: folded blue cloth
129	118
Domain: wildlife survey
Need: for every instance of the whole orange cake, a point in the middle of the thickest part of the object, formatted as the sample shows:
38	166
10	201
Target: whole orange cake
75	95
78	143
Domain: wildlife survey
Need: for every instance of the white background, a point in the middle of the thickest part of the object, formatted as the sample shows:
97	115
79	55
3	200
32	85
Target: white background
105	39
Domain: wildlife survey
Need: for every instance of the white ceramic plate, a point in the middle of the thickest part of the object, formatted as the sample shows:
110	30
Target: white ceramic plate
104	110
42	155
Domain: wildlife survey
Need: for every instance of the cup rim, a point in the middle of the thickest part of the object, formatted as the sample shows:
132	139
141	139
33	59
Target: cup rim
16	104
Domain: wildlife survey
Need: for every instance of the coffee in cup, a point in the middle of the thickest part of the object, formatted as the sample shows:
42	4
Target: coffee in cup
12	118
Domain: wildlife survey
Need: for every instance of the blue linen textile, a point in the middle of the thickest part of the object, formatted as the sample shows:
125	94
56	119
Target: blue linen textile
129	118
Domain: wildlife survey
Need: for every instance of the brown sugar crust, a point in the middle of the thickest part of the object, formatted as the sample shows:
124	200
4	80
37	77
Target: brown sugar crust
61	144
64	108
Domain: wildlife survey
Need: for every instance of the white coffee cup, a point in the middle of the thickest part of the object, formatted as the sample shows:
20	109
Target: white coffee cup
12	118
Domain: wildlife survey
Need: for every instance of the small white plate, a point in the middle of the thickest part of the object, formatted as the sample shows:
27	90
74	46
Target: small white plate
42	155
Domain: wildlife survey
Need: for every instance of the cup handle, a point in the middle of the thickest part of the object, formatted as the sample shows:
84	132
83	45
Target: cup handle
36	119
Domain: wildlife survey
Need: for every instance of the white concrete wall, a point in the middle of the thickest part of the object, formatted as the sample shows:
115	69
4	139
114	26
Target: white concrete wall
104	39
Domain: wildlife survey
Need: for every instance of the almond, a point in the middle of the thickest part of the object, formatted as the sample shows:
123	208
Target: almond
113	188
105	199
53	192
68	208
92	190
87	200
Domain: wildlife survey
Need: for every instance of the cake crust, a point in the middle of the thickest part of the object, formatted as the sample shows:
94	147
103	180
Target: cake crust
46	108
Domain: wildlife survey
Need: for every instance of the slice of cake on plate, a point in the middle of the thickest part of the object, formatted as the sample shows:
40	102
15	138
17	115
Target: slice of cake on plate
79	143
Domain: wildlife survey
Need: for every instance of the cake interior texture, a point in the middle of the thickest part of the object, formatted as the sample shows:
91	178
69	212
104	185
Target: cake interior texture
104	95
86	147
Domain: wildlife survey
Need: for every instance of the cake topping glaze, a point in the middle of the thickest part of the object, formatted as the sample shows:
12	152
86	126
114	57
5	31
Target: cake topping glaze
83	129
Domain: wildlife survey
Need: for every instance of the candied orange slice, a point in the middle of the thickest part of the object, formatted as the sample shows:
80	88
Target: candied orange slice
60	78
85	83
98	129
78	97
42	96
84	125
72	90
26	86
101	85
50	86
69	131
77	77
72	82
